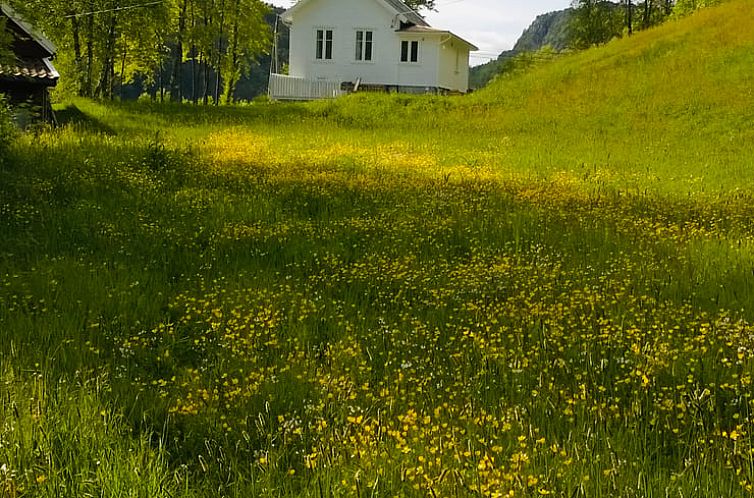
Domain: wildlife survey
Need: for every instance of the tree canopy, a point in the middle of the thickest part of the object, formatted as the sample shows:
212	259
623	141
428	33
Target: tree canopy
598	21
420	4
193	49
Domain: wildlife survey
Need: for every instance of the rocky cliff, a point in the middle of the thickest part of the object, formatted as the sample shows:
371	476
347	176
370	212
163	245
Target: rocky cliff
548	29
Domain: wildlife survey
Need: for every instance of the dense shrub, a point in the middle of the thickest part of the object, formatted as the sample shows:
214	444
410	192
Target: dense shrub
685	7
7	128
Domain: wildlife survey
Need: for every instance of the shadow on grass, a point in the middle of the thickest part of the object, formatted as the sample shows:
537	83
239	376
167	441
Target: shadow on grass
188	114
75	117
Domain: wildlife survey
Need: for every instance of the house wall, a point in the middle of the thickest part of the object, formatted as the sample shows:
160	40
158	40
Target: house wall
453	71
344	17
421	74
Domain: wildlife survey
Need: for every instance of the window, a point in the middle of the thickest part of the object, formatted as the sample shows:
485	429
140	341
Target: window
409	51
324	44
364	45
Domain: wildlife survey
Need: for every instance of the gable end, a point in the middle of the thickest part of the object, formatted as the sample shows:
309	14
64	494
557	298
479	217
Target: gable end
402	12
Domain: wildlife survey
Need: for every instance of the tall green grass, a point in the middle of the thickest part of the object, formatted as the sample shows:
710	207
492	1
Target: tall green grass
542	288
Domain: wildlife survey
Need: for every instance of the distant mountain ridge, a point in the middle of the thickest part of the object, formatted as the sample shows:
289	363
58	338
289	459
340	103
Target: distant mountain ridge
547	29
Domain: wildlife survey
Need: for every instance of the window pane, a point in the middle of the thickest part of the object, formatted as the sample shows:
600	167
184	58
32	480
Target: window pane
359	44
328	44
320	36
414	51
368	46
404	51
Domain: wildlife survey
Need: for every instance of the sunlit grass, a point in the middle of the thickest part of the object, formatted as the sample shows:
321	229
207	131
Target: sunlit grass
541	289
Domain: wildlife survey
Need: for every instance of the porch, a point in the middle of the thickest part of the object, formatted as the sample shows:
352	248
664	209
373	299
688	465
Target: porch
283	87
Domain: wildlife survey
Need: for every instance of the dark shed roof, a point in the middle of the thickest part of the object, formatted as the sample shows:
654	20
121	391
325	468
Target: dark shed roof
40	70
32	53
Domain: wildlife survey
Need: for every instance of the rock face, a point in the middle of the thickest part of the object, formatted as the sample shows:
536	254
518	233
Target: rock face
548	29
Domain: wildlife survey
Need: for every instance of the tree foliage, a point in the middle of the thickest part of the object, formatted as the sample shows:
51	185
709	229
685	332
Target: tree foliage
6	39
598	21
420	4
105	44
684	7
593	22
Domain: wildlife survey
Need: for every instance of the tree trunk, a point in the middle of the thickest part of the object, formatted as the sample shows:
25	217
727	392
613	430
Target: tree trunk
194	76
176	80
105	86
87	90
629	17
647	14
219	56
207	58
77	60
122	71
159	83
205	81
232	81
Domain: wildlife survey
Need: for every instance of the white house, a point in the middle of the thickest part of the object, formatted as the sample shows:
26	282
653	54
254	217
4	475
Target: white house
368	44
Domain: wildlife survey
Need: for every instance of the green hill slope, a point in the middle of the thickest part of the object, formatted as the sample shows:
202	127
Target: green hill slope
672	104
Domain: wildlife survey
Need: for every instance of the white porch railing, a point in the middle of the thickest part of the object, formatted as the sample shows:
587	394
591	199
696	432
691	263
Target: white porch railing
284	87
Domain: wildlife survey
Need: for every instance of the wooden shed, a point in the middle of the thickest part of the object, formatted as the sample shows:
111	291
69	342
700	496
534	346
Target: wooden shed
26	79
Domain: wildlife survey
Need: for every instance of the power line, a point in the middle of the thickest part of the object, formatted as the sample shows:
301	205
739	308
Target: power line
450	2
117	9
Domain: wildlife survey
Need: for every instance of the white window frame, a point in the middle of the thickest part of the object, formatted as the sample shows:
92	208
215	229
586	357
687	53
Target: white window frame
321	41
364	37
412	52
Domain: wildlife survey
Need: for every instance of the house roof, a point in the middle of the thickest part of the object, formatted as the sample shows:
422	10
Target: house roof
399	8
32	53
434	31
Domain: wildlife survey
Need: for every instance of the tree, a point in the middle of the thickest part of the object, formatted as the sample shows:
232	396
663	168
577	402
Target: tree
655	12
420	4
684	7
105	44
6	40
244	19
593	22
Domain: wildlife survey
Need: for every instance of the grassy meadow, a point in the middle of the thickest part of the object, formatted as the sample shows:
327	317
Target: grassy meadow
545	288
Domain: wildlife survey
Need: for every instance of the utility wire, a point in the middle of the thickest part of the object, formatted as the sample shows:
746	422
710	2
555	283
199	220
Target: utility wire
117	9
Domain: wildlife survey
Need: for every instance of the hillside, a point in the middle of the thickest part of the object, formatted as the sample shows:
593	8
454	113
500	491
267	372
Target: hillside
672	98
547	30
544	288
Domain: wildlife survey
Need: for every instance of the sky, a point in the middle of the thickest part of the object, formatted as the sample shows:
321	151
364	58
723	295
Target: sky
491	25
